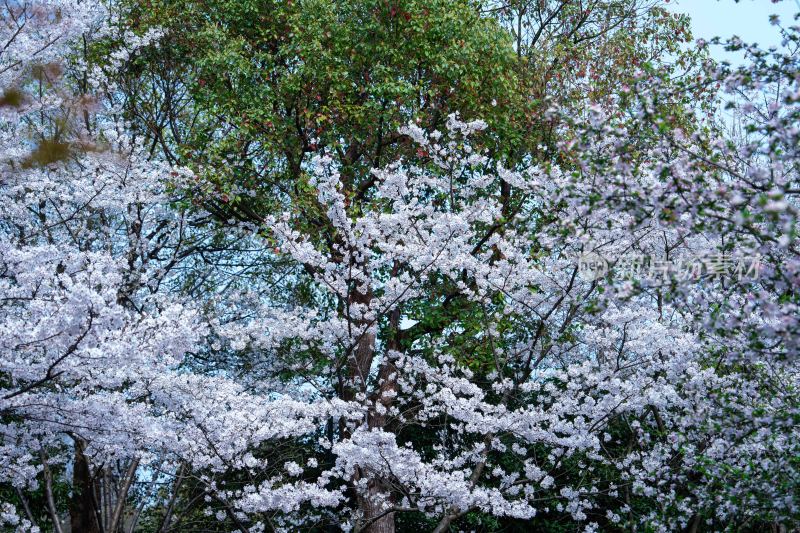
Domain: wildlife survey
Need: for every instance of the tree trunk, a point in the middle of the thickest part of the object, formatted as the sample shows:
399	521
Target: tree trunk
359	364
376	519
82	514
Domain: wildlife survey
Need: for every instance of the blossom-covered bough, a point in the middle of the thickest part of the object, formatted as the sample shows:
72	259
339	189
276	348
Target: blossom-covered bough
449	359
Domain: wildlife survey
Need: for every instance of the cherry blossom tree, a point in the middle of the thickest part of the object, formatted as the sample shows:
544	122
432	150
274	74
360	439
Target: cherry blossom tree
87	241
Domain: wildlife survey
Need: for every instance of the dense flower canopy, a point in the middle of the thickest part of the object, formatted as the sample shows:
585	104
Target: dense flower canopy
253	281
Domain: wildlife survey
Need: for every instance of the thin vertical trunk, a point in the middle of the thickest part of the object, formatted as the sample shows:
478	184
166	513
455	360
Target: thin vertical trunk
165	523
48	487
122	497
26	506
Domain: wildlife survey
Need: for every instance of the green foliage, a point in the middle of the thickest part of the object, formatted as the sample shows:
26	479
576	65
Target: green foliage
271	82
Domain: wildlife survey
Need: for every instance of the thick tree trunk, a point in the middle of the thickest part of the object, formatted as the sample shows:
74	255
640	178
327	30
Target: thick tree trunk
359	360
82	512
375	519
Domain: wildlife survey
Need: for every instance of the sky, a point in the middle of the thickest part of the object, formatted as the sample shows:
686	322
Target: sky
749	19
